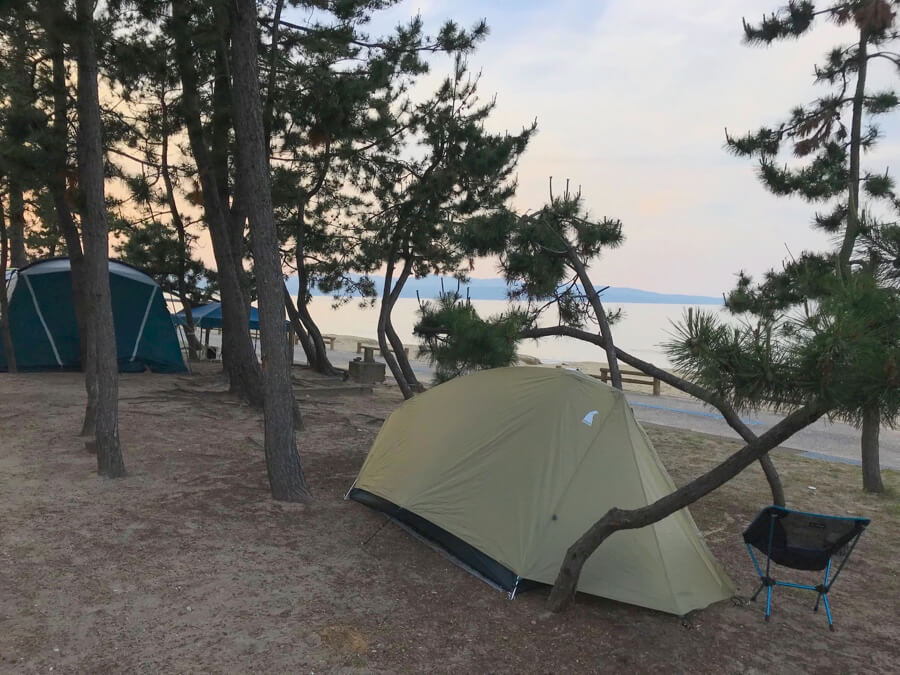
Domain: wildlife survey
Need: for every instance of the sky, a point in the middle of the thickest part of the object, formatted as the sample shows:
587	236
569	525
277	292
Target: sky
632	100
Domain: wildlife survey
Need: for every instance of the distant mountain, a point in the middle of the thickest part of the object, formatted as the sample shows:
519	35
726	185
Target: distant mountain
496	289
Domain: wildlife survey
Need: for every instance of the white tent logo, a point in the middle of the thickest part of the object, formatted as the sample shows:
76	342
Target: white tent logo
589	418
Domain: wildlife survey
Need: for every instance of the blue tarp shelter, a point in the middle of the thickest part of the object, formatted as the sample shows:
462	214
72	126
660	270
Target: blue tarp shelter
210	316
45	332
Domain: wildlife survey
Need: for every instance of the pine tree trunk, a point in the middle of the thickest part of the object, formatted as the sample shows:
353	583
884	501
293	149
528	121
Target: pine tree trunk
96	248
615	375
283	463
309	349
383	318
859	102
399	350
195	347
619	519
5	334
396	343
91	384
323	363
871	466
238	355
320	363
17	255
871	415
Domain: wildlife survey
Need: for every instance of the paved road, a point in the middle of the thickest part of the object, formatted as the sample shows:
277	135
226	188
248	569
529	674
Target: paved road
822	440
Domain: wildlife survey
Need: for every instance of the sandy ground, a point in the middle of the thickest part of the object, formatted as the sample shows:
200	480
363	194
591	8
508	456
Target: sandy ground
186	565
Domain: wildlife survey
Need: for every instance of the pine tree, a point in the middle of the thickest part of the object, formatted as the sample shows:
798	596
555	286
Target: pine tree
450	175
204	42
343	113
828	138
282	461
102	370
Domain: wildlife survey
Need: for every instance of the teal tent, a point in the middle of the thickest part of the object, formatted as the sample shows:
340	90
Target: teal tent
45	332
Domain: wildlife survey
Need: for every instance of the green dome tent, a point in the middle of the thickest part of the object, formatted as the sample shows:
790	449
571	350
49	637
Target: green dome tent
504	469
45	332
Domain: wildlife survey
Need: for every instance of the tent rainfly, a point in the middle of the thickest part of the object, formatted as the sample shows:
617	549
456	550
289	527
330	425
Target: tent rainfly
45	332
504	469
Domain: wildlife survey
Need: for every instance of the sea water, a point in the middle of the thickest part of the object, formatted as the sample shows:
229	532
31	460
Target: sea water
641	330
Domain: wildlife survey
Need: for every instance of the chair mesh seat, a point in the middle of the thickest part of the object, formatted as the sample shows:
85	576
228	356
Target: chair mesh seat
802	541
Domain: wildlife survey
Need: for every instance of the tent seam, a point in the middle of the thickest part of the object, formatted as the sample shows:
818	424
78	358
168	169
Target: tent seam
37	308
140	334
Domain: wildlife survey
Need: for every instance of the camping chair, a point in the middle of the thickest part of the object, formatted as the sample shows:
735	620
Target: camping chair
801	541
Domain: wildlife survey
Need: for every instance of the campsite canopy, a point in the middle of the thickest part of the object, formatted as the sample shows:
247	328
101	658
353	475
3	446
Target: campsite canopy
504	469
210	316
45	332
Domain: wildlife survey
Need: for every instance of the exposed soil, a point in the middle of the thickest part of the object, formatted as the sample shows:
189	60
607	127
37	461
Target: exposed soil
187	565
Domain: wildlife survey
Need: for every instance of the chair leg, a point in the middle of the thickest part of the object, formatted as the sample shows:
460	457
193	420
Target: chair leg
755	594
827	610
768	601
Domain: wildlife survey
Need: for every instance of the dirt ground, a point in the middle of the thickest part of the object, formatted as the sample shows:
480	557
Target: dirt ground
186	565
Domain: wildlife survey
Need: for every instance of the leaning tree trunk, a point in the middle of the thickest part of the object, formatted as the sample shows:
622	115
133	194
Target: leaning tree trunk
400	351
4	304
615	375
238	354
728	413
396	343
323	363
96	248
871	466
383	318
282	461
320	362
620	519
309	348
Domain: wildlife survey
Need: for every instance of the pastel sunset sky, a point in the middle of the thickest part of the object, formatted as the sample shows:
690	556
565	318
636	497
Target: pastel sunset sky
632	100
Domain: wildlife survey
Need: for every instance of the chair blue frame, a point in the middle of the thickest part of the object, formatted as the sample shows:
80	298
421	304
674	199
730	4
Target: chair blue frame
830	535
